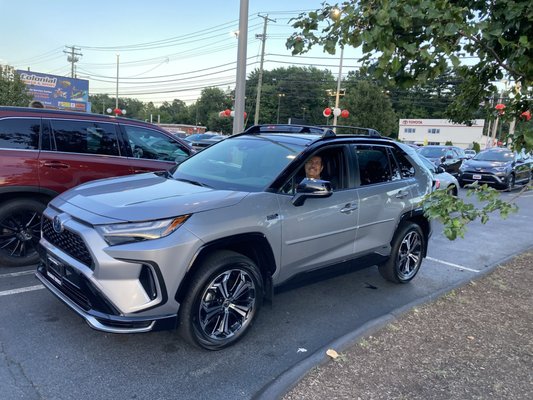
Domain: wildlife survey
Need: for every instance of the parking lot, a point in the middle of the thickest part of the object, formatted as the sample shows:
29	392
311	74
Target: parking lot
48	352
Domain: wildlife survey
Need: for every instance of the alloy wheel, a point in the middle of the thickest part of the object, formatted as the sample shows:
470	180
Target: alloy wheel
409	255
228	304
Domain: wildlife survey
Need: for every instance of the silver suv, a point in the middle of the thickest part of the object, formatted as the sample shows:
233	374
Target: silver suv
201	246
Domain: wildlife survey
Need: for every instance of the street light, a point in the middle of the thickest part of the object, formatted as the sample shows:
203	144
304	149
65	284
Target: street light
280	95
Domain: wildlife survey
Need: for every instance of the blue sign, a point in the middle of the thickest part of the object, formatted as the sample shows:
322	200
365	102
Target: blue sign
57	91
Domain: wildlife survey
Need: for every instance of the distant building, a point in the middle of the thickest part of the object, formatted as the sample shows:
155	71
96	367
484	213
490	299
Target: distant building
440	131
188	129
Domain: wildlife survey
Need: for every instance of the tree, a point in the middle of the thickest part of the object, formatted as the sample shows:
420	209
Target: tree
13	92
406	42
369	106
303	90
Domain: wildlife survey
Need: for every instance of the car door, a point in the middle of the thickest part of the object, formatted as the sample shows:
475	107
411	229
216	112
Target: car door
81	151
384	194
151	150
322	230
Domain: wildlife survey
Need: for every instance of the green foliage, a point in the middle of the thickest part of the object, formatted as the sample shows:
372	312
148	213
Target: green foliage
454	213
369	107
476	147
448	143
412	42
13	91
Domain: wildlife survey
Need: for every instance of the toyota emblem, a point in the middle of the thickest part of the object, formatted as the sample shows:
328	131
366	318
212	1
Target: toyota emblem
57	224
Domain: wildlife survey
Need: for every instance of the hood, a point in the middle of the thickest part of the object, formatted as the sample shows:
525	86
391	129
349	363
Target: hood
146	197
485	164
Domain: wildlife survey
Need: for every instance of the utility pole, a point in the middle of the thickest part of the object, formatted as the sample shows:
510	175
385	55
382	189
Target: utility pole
260	77
339	79
72	58
240	87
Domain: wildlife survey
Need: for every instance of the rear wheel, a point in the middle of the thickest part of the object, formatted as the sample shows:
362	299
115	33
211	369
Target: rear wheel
20	230
406	255
224	298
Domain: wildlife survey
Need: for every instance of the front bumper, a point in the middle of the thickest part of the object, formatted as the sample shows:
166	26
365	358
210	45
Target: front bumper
83	298
482	177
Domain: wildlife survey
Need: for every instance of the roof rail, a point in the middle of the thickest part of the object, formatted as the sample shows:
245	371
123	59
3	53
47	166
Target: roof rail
355	130
323	131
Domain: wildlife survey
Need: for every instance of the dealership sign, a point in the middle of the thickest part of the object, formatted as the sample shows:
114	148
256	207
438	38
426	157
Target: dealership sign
57	91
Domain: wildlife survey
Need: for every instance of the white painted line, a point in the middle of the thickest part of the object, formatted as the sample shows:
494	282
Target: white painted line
21	290
451	264
11	275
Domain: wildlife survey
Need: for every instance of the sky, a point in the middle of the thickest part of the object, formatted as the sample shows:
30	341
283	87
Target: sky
166	49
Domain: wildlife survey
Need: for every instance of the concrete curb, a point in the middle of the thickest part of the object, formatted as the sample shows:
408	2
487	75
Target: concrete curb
280	385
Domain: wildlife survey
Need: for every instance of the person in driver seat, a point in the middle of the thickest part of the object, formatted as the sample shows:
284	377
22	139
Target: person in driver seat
313	167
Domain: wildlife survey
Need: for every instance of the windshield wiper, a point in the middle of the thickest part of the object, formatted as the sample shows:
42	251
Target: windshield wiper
193	182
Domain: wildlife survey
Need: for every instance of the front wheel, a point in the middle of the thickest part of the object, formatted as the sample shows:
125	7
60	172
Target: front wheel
20	231
406	254
224	298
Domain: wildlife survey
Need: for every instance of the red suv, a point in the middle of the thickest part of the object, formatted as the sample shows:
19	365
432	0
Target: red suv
45	152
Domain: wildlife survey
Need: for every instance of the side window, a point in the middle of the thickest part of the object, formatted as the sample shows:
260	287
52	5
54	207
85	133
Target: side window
20	133
328	164
402	168
86	137
154	145
374	165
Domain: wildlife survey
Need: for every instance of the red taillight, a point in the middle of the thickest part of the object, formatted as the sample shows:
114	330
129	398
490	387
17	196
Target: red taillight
437	184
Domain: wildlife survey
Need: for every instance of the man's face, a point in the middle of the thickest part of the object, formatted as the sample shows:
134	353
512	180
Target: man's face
313	167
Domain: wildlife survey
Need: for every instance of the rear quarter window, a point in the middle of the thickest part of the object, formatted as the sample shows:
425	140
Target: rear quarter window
20	133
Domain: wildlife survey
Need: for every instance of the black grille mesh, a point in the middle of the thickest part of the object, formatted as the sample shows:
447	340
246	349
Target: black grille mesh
67	241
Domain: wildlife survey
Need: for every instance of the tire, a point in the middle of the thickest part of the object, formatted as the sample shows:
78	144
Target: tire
406	255
461	184
510	183
20	231
230	316
452	190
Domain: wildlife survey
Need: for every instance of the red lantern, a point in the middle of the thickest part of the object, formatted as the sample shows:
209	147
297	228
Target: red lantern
500	108
117	111
327	112
245	115
227	112
526	115
345	113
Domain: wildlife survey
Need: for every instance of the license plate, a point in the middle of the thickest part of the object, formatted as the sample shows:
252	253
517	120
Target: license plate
476	177
55	270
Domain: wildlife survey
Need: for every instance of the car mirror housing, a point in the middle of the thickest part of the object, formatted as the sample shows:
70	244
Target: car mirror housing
311	188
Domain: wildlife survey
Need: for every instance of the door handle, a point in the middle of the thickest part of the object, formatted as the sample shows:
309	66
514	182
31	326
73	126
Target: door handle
401	194
52	164
348	208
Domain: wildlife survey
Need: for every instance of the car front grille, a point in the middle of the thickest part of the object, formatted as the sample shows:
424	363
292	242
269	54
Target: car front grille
69	242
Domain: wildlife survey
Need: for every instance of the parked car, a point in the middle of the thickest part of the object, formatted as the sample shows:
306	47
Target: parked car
200	141
498	167
45	152
442	179
449	157
470	153
202	246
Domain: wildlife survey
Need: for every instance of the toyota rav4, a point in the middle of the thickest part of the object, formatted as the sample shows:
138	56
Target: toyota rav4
201	246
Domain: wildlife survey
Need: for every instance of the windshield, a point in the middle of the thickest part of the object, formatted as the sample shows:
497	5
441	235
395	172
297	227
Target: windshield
245	163
502	156
432	152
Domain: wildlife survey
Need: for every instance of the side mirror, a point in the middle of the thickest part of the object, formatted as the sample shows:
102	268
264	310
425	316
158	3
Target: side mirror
311	188
439	170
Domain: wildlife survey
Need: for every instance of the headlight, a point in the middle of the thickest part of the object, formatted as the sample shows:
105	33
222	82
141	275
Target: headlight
500	169
138	231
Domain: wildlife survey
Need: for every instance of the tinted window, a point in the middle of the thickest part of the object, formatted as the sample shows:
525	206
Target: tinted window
402	168
20	133
154	145
85	137
374	164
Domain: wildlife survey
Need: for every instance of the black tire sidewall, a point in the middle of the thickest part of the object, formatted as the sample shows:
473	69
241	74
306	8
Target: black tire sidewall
7	209
390	269
209	269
